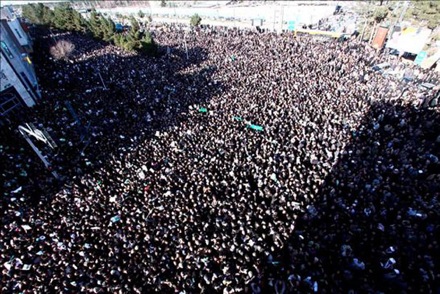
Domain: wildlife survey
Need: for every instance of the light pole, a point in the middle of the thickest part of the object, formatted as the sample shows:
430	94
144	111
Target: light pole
282	18
405	7
372	33
273	23
363	30
185	44
102	81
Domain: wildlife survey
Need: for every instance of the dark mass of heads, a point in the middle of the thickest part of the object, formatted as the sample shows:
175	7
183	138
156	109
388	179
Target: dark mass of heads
168	184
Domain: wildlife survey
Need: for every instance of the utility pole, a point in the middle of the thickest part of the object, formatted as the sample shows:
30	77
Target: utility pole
404	8
363	30
82	130
282	18
102	81
366	20
52	35
274	17
372	33
186	45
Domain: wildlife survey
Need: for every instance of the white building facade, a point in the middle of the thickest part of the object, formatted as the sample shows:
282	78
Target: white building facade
20	34
18	82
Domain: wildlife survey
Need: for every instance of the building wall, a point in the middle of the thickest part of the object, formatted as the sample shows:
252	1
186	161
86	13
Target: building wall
7	12
18	59
9	78
18	32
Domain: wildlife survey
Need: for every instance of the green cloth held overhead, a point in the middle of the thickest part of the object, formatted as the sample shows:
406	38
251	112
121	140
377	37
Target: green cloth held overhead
203	110
256	127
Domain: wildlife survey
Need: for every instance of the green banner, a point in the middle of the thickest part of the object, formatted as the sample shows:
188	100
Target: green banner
256	127
203	110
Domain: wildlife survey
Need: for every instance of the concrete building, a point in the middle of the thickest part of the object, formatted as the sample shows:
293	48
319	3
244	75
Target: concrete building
18	82
20	31
7	12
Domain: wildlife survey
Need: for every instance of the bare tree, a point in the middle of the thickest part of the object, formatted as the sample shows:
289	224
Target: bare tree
62	50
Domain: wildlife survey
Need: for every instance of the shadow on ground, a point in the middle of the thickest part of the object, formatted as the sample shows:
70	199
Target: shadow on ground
91	123
382	193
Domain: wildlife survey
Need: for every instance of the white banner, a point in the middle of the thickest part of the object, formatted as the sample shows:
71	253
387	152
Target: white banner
411	40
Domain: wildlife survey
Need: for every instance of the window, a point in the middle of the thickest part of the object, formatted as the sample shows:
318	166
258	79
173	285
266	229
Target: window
18	33
5	49
9	101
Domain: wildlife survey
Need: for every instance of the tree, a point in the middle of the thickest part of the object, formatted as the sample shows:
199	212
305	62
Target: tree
135	27
64	17
108	28
37	13
427	12
62	50
79	23
419	13
29	12
141	14
195	20
148	46
48	15
163	3
380	14
129	43
95	26
136	40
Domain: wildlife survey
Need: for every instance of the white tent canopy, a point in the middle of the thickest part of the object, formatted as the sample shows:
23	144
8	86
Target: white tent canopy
411	40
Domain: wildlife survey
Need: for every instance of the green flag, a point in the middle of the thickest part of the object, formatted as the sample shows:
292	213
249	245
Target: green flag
256	127
203	110
238	118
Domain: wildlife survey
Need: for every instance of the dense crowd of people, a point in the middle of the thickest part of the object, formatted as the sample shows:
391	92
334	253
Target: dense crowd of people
251	162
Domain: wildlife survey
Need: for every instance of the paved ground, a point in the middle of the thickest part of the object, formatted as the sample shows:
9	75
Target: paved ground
273	13
241	24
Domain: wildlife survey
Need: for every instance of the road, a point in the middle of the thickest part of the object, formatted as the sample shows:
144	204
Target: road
240	24
275	15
